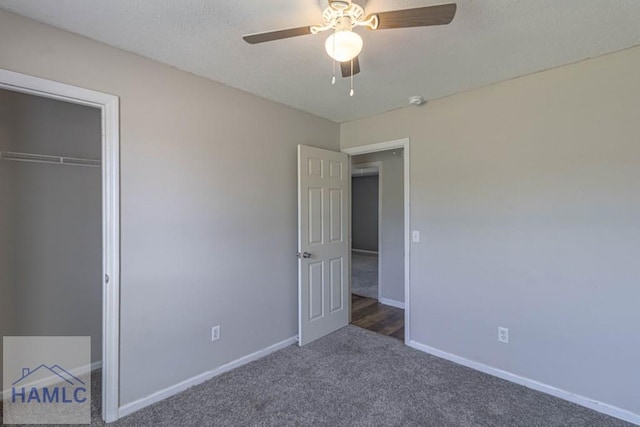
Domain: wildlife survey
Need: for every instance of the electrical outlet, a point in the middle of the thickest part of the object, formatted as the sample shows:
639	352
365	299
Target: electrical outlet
215	333
503	335
415	236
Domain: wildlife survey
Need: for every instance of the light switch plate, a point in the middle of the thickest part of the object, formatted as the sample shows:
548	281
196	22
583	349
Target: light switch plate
415	236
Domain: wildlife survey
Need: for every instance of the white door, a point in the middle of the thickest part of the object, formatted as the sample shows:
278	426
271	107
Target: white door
323	242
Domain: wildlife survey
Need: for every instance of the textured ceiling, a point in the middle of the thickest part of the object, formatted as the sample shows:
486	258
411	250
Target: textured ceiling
488	41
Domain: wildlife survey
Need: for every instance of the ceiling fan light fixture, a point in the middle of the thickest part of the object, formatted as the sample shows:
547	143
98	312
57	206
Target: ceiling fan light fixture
343	45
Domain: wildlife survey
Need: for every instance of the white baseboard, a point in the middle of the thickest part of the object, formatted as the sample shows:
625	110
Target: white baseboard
364	251
132	407
391	302
601	407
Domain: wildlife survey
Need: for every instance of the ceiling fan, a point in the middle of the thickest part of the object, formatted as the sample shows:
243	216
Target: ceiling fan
342	16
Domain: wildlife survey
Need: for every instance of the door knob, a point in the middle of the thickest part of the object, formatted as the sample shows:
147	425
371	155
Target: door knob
304	255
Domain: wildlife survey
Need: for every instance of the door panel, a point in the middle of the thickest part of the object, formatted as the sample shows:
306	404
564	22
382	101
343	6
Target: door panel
323	285
315	216
337	267
316	291
335	209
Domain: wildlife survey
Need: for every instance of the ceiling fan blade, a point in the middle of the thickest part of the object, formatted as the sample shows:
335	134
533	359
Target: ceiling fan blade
277	35
345	67
419	17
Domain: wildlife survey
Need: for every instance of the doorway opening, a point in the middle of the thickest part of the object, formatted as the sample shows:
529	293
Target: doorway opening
365	228
62	171
379	237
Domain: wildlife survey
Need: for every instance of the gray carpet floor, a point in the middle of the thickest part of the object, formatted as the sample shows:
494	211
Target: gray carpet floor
364	275
355	377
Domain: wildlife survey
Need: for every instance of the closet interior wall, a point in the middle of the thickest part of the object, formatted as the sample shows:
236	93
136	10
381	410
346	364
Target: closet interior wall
50	221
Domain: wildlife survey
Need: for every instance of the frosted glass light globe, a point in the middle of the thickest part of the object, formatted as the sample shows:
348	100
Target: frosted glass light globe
347	45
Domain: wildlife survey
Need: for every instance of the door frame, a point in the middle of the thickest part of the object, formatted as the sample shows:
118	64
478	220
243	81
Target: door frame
377	165
403	143
109	107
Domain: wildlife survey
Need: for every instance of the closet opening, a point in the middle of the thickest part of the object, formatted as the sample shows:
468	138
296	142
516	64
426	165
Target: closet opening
59	223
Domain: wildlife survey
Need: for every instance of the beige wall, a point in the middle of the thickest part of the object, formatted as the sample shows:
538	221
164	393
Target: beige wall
208	205
526	194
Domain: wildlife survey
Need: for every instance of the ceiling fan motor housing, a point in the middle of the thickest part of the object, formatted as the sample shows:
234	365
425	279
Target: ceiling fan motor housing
332	14
341	4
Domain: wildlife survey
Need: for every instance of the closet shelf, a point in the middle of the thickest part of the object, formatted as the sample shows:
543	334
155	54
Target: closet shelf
42	158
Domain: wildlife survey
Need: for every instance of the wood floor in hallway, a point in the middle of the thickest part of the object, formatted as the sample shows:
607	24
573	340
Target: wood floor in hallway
369	314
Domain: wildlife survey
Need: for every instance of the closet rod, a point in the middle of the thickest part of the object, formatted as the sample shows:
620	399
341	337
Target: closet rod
42	158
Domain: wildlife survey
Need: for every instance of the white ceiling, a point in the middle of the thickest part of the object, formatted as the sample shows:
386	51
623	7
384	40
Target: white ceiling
488	41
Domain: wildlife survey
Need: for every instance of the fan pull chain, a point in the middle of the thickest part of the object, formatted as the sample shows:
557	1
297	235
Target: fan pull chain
333	78
351	92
